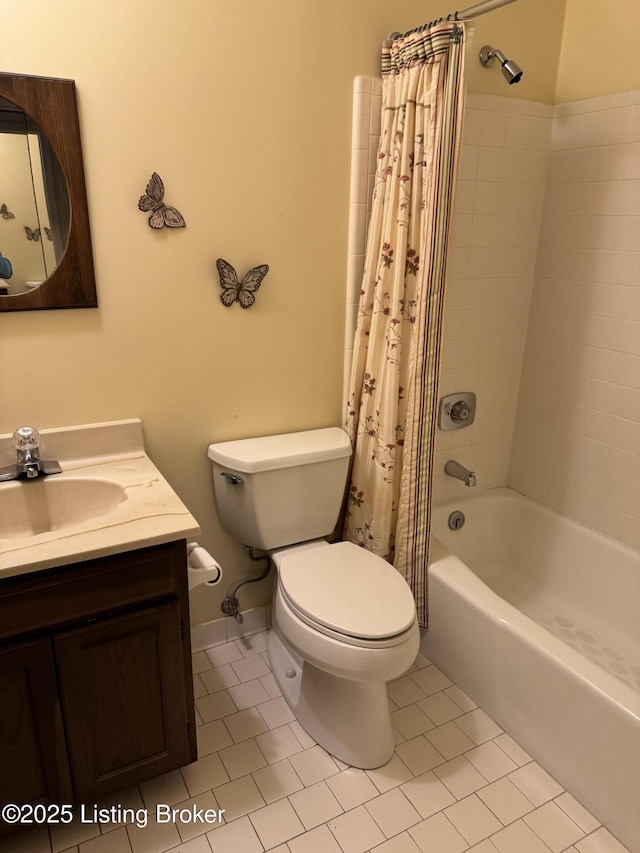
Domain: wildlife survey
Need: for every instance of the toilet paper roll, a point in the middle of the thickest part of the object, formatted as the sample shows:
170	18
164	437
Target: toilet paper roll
201	567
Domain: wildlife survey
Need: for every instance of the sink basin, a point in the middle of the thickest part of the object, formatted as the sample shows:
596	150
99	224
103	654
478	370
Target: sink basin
30	507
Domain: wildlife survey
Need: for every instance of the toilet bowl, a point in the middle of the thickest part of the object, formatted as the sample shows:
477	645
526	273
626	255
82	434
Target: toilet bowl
332	653
344	621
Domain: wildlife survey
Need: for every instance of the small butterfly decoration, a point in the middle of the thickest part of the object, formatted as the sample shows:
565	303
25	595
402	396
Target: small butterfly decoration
243	291
161	214
5	213
34	234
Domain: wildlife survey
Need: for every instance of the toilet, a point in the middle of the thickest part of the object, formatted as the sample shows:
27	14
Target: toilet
344	620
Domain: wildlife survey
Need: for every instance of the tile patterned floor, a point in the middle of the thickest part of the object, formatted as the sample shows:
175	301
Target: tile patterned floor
456	782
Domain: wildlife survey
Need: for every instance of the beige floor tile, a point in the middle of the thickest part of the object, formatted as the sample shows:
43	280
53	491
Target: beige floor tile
518	838
460	777
403	691
419	755
352	787
491	761
393	812
277	781
577	812
430	679
113	842
276	712
535	783
473	820
390	775
220	655
356	831
66	835
437	833
248	694
206	804
402	843
153	837
410	721
449	740
312	765
219	678
207	772
249	668
200	662
276	823
212	736
456	781
238	798
506	801
34	840
245	724
239	836
600	841
319	840
427	794
315	805
242	758
168	788
215	705
478	726
439	708
554	827
278	744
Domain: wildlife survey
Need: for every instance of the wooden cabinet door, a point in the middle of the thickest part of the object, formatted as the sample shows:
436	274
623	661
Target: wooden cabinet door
124	700
33	762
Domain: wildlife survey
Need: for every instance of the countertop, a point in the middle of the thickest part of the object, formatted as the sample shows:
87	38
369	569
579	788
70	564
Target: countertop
150	514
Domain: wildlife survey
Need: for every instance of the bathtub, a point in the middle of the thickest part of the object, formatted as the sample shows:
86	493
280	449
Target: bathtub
537	619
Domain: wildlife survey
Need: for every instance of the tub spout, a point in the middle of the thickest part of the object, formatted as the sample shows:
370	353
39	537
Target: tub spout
455	469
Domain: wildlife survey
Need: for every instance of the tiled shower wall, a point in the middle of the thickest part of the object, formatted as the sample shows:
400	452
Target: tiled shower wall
577	438
555	201
498	207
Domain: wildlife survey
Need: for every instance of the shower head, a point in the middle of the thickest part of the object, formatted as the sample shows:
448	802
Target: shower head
510	69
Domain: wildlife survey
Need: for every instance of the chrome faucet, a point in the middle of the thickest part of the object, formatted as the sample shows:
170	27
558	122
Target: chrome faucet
26	440
455	469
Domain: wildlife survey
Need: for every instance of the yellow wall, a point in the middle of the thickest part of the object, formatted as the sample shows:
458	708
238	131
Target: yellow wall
530	33
244	108
599	49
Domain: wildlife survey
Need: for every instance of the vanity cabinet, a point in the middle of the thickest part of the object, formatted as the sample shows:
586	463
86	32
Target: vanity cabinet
96	692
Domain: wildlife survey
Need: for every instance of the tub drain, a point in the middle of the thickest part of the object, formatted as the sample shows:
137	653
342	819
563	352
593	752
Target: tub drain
456	520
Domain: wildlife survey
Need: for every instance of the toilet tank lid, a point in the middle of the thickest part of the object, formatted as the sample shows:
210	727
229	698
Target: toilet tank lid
251	455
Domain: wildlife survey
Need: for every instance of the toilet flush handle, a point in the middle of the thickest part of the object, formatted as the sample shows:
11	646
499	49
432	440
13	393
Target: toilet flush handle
232	479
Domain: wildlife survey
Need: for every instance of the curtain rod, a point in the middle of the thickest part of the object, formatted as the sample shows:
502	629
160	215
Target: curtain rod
478	9
465	15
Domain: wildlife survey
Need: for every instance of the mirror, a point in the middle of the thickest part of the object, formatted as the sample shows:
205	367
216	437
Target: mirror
44	219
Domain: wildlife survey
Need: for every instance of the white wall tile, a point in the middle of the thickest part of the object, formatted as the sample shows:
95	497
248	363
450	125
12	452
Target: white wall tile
586	293
548	214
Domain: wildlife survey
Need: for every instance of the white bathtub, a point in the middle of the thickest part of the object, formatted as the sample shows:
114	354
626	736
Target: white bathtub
537	618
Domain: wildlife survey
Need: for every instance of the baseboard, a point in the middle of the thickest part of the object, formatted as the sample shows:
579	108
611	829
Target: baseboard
204	635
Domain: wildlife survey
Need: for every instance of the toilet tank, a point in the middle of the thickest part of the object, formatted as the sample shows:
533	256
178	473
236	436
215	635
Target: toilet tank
281	489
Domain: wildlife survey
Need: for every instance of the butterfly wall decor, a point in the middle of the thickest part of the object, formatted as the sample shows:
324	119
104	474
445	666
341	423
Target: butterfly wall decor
161	214
34	233
243	291
5	213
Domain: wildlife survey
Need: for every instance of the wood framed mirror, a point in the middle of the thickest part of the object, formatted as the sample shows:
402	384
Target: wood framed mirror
43	111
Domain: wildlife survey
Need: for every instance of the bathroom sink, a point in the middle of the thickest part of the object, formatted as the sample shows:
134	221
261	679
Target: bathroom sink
30	507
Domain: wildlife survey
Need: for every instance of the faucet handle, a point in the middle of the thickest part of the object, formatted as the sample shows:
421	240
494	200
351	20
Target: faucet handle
26	438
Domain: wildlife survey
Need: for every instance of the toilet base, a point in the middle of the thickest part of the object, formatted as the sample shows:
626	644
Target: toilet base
350	719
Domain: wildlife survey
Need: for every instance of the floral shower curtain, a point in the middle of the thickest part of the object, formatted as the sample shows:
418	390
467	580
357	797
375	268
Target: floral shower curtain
391	408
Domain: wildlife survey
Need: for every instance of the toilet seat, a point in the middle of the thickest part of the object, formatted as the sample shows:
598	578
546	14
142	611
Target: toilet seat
348	593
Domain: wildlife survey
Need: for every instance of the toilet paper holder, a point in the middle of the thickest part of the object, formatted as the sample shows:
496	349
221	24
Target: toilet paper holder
202	568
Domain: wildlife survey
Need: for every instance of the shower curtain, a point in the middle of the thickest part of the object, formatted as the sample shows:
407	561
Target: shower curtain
392	398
